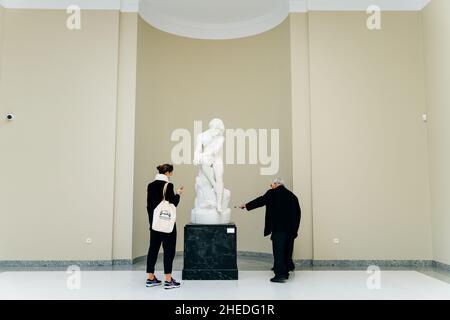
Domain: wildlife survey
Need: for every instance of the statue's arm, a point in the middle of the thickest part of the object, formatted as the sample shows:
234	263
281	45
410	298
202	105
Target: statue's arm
198	150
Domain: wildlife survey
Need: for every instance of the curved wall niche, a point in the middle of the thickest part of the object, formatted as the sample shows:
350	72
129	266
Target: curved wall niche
214	19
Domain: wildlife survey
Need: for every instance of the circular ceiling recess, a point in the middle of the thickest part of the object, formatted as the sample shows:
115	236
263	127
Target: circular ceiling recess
214	19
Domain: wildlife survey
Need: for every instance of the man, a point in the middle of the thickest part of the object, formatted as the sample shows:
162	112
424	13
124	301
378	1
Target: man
282	221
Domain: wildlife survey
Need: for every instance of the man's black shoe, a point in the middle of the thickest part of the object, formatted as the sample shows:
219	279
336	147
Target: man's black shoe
278	279
290	269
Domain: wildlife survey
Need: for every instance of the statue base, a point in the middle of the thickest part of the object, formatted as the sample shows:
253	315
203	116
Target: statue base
210	216
210	252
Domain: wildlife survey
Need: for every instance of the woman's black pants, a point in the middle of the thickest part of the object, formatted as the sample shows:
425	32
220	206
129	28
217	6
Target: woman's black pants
169	242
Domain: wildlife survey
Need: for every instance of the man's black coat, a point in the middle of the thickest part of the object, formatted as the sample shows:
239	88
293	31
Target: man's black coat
283	211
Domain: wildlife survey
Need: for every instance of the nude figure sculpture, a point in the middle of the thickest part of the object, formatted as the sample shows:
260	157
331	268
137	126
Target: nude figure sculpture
212	199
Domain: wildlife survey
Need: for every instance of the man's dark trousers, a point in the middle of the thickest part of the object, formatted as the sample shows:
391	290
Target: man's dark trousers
282	245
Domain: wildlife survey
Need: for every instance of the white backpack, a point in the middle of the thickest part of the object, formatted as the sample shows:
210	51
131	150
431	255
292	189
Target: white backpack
164	215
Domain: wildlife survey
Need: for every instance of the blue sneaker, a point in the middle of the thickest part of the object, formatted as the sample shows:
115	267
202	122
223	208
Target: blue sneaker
153	283
172	284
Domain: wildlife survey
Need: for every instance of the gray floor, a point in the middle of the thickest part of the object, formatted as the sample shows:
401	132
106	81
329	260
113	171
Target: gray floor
258	264
244	264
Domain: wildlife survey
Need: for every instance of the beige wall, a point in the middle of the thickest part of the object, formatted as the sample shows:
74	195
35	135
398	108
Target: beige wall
2	11
126	105
246	82
348	103
57	183
437	62
2	19
301	130
369	144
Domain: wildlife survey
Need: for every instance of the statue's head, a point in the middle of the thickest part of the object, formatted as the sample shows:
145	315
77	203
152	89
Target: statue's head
217	127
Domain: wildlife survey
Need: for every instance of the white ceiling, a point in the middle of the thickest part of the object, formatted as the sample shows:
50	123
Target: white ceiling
218	19
356	5
295	5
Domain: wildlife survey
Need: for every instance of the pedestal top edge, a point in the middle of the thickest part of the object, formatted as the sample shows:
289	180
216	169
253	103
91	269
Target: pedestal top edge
209	225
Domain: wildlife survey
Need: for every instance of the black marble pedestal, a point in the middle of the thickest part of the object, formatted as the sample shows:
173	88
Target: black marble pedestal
210	252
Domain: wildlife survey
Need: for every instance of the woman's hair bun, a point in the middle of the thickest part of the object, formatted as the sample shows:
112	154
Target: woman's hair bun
164	168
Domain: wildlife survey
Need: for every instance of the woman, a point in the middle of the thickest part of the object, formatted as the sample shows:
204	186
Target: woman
168	240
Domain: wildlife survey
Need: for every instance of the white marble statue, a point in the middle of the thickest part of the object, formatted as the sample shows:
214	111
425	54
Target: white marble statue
212	199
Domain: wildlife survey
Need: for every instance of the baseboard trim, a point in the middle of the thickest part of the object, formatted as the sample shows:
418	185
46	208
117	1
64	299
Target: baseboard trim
332	263
122	262
441	266
241	254
344	263
269	257
378	263
63	263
